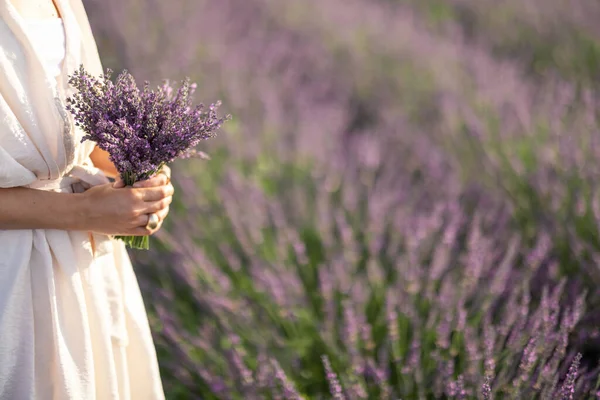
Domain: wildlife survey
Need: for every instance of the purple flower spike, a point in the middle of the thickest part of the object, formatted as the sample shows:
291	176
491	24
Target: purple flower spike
141	130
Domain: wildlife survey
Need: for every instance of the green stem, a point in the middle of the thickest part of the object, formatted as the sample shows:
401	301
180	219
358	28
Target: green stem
135	242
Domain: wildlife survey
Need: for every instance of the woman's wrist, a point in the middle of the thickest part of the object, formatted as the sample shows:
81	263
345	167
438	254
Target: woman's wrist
68	211
76	218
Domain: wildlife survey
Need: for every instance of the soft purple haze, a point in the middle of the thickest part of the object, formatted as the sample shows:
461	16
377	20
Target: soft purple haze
406	205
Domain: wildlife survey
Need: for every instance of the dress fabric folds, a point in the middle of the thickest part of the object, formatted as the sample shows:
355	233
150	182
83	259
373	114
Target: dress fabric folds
72	319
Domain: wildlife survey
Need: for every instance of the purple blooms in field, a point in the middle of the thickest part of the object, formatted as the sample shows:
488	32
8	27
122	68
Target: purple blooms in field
389	302
141	130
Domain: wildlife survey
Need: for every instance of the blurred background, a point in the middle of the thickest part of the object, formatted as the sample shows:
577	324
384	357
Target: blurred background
404	206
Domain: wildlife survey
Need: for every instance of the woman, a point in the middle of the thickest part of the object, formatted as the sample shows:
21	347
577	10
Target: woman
72	320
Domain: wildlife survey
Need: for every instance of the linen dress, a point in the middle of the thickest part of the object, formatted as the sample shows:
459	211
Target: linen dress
72	320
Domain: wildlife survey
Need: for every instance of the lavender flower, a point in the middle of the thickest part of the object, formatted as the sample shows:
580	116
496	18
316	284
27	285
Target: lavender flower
334	384
141	130
568	389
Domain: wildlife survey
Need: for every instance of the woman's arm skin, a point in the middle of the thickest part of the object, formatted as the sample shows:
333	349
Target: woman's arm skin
24	208
103	209
101	160
110	209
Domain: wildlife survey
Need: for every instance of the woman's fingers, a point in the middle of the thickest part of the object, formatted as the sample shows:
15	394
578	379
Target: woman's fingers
141	230
156	193
162	214
142	220
118	183
166	170
157	180
158	205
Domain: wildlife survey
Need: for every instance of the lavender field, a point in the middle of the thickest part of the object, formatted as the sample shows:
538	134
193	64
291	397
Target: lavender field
406	204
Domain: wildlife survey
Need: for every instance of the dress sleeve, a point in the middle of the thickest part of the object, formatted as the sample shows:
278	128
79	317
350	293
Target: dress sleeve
16	150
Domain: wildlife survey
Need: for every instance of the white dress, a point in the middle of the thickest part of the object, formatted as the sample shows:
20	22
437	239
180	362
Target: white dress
48	37
72	320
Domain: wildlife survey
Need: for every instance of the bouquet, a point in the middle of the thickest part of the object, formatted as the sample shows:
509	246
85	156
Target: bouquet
141	130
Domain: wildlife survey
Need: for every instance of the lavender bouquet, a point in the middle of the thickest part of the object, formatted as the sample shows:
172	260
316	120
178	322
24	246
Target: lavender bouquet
141	130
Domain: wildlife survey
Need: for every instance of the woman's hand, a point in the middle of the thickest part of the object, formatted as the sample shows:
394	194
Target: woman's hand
114	209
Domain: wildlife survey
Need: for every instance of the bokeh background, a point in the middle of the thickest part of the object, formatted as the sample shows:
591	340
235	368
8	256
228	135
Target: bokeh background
404	206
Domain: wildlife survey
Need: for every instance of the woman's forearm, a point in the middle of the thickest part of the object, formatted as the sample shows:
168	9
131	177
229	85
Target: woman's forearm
101	160
25	208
